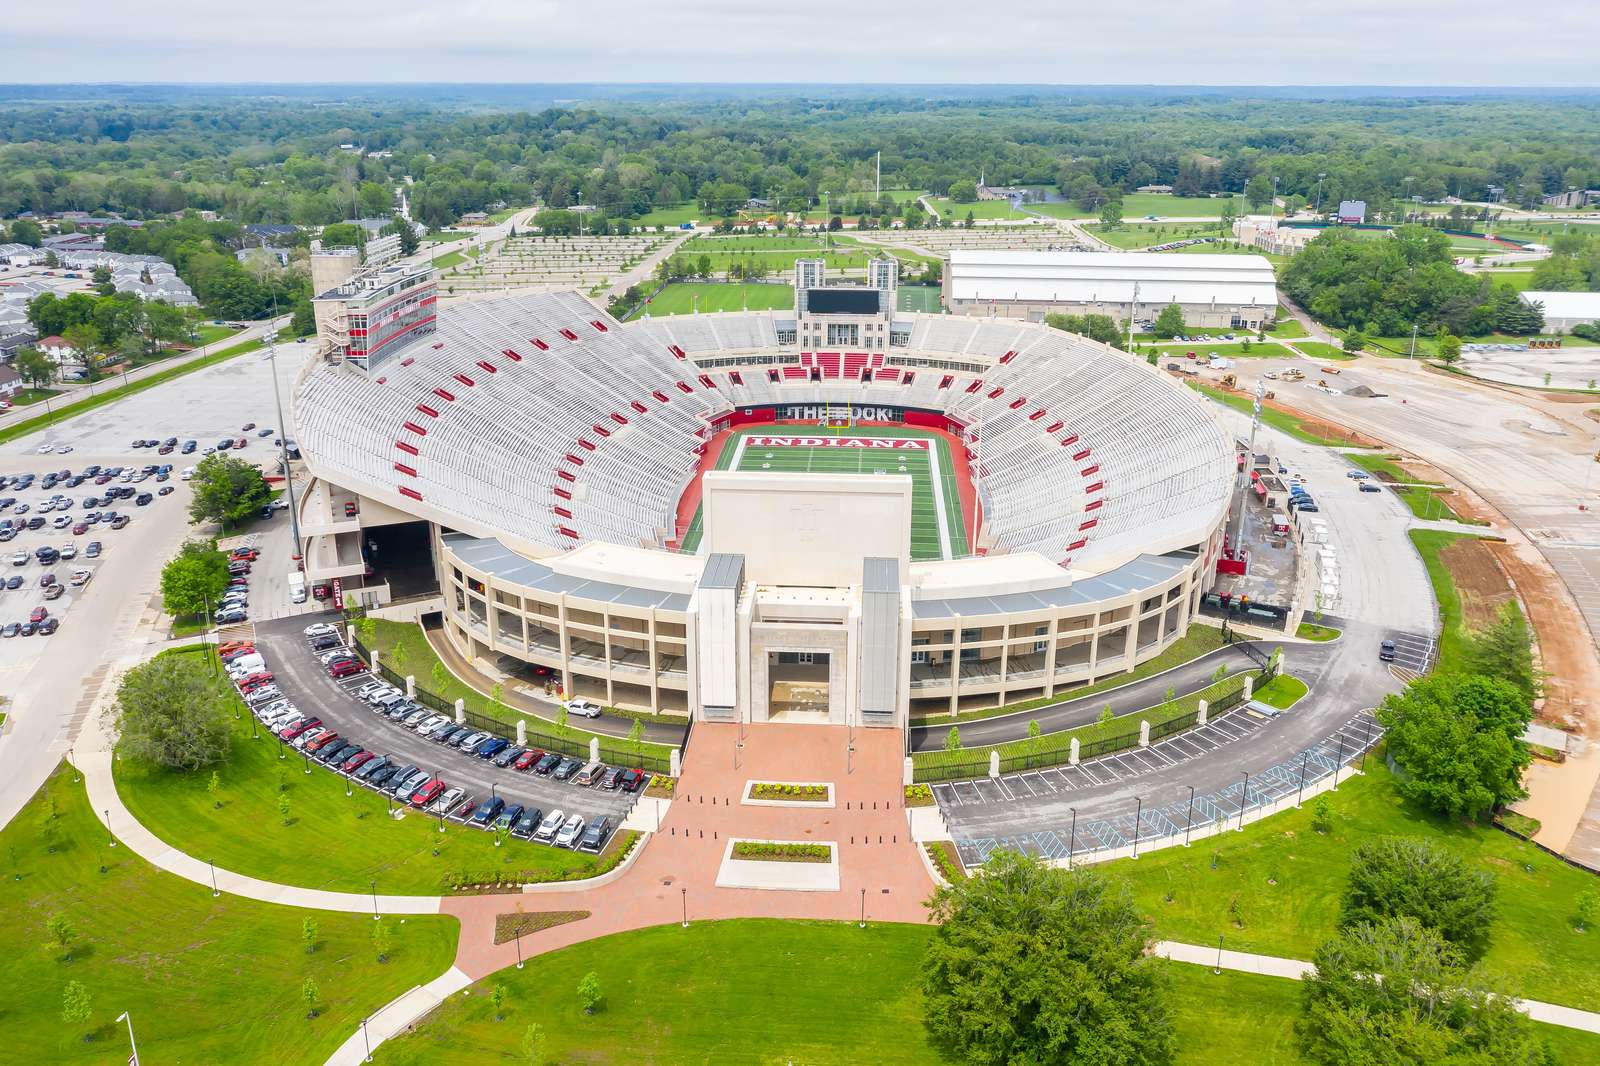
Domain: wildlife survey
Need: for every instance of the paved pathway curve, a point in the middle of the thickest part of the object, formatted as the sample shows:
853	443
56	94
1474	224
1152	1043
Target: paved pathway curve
1299	969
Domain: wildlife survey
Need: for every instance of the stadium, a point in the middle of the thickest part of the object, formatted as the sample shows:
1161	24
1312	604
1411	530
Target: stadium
715	516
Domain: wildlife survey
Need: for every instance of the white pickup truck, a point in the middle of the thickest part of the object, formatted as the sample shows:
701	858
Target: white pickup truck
297	587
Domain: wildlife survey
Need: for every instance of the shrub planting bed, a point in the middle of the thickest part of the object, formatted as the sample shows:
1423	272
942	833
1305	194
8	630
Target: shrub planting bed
919	796
763	851
509	927
469	882
943	854
777	790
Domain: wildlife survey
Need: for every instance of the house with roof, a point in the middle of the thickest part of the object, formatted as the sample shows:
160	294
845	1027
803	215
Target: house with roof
10	383
1351	212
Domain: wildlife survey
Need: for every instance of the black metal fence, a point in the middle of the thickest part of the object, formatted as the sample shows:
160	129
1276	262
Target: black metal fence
614	751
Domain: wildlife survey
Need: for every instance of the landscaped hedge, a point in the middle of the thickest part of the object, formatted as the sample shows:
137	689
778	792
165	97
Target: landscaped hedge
471	881
919	796
792	852
942	852
773	790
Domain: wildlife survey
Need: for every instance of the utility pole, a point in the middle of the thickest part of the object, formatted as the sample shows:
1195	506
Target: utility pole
877	183
1413	354
1236	526
1133	312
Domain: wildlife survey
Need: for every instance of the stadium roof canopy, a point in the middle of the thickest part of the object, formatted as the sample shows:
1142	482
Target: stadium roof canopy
1109	277
1565	305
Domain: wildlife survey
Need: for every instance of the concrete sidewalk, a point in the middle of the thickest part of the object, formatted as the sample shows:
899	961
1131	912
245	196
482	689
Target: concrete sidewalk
1298	969
397	1016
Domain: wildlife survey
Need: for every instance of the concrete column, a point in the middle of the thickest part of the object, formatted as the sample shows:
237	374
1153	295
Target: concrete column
411	686
1201	718
594	749
1144	734
675	762
522	733
994	764
375	663
1283	662
1050	657
1249	686
1072	754
350	635
907	772
461	712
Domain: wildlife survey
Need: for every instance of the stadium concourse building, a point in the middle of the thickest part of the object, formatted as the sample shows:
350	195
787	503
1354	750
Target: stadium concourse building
703	515
1214	291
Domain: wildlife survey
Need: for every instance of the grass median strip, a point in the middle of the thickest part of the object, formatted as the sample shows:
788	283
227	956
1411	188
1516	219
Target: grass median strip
326	839
206	979
112	395
1279	420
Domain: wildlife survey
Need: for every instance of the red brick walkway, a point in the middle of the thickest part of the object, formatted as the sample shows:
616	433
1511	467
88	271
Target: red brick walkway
679	864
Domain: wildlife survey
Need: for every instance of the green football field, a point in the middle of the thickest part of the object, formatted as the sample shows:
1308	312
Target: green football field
937	530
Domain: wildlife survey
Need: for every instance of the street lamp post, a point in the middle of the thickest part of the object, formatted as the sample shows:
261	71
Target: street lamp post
367	1040
1188	822
1338	762
1301	791
1218	970
863	908
685	892
518	939
1138	814
215	892
1244	801
1072	840
374	900
110	836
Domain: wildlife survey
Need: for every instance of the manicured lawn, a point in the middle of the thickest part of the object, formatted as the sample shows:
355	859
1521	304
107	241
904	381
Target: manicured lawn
1279	420
1287	329
1452	637
681	298
26	396
1199	640
333	841
210	333
1532	945
111	395
419	659
1323	350
206	980
980	209
1226	349
448	260
735	992
1136	205
1424	502
1144	234
1282	692
1312	631
674	216
1520	280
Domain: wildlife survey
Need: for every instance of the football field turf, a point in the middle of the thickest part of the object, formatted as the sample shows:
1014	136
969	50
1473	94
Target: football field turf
937	529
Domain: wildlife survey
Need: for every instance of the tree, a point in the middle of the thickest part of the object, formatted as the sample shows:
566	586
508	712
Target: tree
533	1044
308	934
1458	739
59	926
382	940
1034	964
589	992
952	739
27	231
1588	907
129	350
214	790
1169	322
1408	877
964	191
636	738
309	994
1230	215
1354	341
283	807
75	1005
101	275
407	233
228	490
497	996
1449	347
1258	190
1321	816
1111	214
1395	993
1504	649
35	367
173	711
1034	734
194	578
83	339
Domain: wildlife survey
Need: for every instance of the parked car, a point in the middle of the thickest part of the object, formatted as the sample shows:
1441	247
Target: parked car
583	708
488	810
1386	651
526	760
611	779
471	740
371	767
508	817
527	822
357	761
568	836
1368	486
590	774
594	838
547	764
566	768
447	802
508	755
427	793
550	826
491	747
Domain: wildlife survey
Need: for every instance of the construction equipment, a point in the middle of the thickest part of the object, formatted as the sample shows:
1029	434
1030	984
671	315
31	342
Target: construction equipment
1228	381
1291	374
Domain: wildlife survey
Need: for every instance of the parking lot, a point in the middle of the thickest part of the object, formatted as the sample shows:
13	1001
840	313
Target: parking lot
305	682
1413	652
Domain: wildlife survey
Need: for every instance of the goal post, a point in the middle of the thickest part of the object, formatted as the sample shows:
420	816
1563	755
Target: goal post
838	416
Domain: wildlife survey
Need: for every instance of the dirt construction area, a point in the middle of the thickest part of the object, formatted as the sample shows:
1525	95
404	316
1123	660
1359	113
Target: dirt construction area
1479	580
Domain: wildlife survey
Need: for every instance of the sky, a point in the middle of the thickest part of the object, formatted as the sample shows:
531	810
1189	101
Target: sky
1071	42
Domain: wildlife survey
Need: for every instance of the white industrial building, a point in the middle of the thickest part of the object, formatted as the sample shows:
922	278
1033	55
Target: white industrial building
1563	310
1236	291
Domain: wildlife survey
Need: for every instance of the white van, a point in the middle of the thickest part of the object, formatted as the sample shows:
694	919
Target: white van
297	587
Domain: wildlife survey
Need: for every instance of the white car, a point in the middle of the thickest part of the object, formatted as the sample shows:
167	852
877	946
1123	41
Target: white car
62	521
81	578
188	472
583	708
19	558
44	449
321	629
568	837
551	825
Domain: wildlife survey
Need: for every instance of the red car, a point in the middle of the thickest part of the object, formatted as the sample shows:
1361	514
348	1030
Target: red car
427	793
235	645
39	615
345	668
300	727
527	759
247	554
357	761
255	681
321	742
80	529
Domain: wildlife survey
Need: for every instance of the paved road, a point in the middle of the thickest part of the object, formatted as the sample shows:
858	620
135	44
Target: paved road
308	685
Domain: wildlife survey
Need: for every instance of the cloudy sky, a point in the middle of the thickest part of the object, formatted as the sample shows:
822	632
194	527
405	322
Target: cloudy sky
1190	42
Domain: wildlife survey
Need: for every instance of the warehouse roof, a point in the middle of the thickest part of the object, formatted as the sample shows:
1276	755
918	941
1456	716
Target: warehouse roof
1109	277
1566	304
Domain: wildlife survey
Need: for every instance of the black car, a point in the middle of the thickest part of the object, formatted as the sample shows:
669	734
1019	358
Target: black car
612	778
550	761
527	823
14	581
188	447
508	756
1367	486
324	642
488	810
142	499
1386	651
337	753
48	626
634	780
594	837
566	768
372	767
224	444
451	735
384	774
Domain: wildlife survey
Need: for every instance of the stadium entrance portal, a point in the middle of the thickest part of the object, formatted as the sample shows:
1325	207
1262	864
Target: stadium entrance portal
798	686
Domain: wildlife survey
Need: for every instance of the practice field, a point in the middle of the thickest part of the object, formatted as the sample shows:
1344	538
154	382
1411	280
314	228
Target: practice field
917	298
683	298
937	530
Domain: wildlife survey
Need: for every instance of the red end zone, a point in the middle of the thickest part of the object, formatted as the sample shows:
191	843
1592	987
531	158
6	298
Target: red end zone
690	502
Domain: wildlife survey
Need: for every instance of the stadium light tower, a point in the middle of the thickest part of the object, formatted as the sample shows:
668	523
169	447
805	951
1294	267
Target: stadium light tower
1236	525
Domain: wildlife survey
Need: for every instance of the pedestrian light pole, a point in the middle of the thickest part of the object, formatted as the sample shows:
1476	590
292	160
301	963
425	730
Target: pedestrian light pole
133	1060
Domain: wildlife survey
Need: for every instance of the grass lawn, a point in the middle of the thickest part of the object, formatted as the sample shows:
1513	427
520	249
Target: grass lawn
206	980
1323	350
1520	280
1136	205
979	209
210	333
681	298
1200	640
418	658
1452	637
31	395
448	260
1312	631
1532	945
1287	328
1144	234
1279	420
1424	502
1282	692
333	841
1225	349
100	399
673	216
